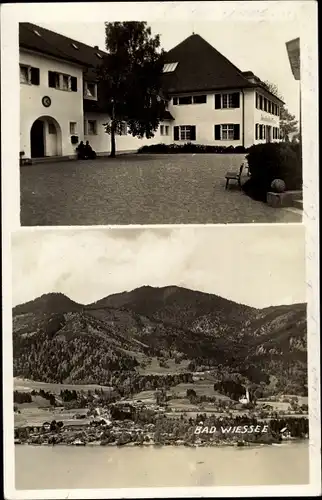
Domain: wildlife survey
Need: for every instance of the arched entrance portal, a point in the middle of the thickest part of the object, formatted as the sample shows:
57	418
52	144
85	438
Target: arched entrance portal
45	138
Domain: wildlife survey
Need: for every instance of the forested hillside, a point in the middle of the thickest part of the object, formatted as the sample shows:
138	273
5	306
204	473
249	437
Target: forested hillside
108	342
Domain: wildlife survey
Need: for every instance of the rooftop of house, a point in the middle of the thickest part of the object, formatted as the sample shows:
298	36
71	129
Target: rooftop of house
200	67
36	38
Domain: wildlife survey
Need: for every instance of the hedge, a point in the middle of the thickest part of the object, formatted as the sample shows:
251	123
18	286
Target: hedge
191	148
273	161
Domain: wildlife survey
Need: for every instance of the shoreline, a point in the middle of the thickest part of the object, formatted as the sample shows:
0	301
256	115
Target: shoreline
231	444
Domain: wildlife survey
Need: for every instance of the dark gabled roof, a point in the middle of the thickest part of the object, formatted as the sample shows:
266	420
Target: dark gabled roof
200	68
167	115
56	45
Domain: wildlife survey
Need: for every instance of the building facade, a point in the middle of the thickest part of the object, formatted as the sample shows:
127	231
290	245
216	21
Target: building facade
60	99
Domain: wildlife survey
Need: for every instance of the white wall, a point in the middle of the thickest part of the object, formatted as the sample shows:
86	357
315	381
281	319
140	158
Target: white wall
101	142
264	118
205	117
66	106
249	130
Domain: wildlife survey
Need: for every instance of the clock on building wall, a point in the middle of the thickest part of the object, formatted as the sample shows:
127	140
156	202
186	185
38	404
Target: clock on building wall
46	101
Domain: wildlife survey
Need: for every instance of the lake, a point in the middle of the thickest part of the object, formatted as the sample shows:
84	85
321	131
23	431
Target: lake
69	467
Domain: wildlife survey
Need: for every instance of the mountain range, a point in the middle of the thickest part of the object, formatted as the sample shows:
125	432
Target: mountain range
58	340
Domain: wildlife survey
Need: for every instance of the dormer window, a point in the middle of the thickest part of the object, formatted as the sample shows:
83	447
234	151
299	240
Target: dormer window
75	46
169	67
90	90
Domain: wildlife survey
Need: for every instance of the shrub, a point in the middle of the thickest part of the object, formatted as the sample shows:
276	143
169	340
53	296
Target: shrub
192	148
277	161
273	161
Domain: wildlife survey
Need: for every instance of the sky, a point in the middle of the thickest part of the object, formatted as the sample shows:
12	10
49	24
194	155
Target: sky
256	265
258	46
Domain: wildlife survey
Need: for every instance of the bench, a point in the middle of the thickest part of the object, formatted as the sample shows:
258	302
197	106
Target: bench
234	176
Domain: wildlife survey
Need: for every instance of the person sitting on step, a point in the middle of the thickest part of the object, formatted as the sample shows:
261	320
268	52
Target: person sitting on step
89	152
81	151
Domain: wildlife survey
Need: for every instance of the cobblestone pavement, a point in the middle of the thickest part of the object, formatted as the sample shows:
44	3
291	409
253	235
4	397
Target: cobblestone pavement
140	189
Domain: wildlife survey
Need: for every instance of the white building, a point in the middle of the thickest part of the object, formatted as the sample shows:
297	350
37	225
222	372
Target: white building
210	101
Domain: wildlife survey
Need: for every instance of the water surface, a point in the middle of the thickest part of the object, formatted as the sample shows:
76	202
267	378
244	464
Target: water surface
68	467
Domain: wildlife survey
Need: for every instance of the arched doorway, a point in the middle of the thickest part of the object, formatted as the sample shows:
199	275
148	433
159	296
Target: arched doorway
45	138
37	140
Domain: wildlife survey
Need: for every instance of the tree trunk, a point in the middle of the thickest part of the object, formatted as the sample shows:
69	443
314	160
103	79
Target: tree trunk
113	148
112	155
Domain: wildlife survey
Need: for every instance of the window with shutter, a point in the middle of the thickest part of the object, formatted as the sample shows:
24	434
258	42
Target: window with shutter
64	82
192	132
227	101
256	132
34	76
185	132
235	100
228	132
52	79
73	84
24	74
236	132
175	133
217	101
217	133
265	104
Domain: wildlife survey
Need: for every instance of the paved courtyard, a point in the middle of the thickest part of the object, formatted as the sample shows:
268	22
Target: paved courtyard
140	189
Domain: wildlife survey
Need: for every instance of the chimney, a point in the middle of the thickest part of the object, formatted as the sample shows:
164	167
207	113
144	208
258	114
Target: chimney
96	47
